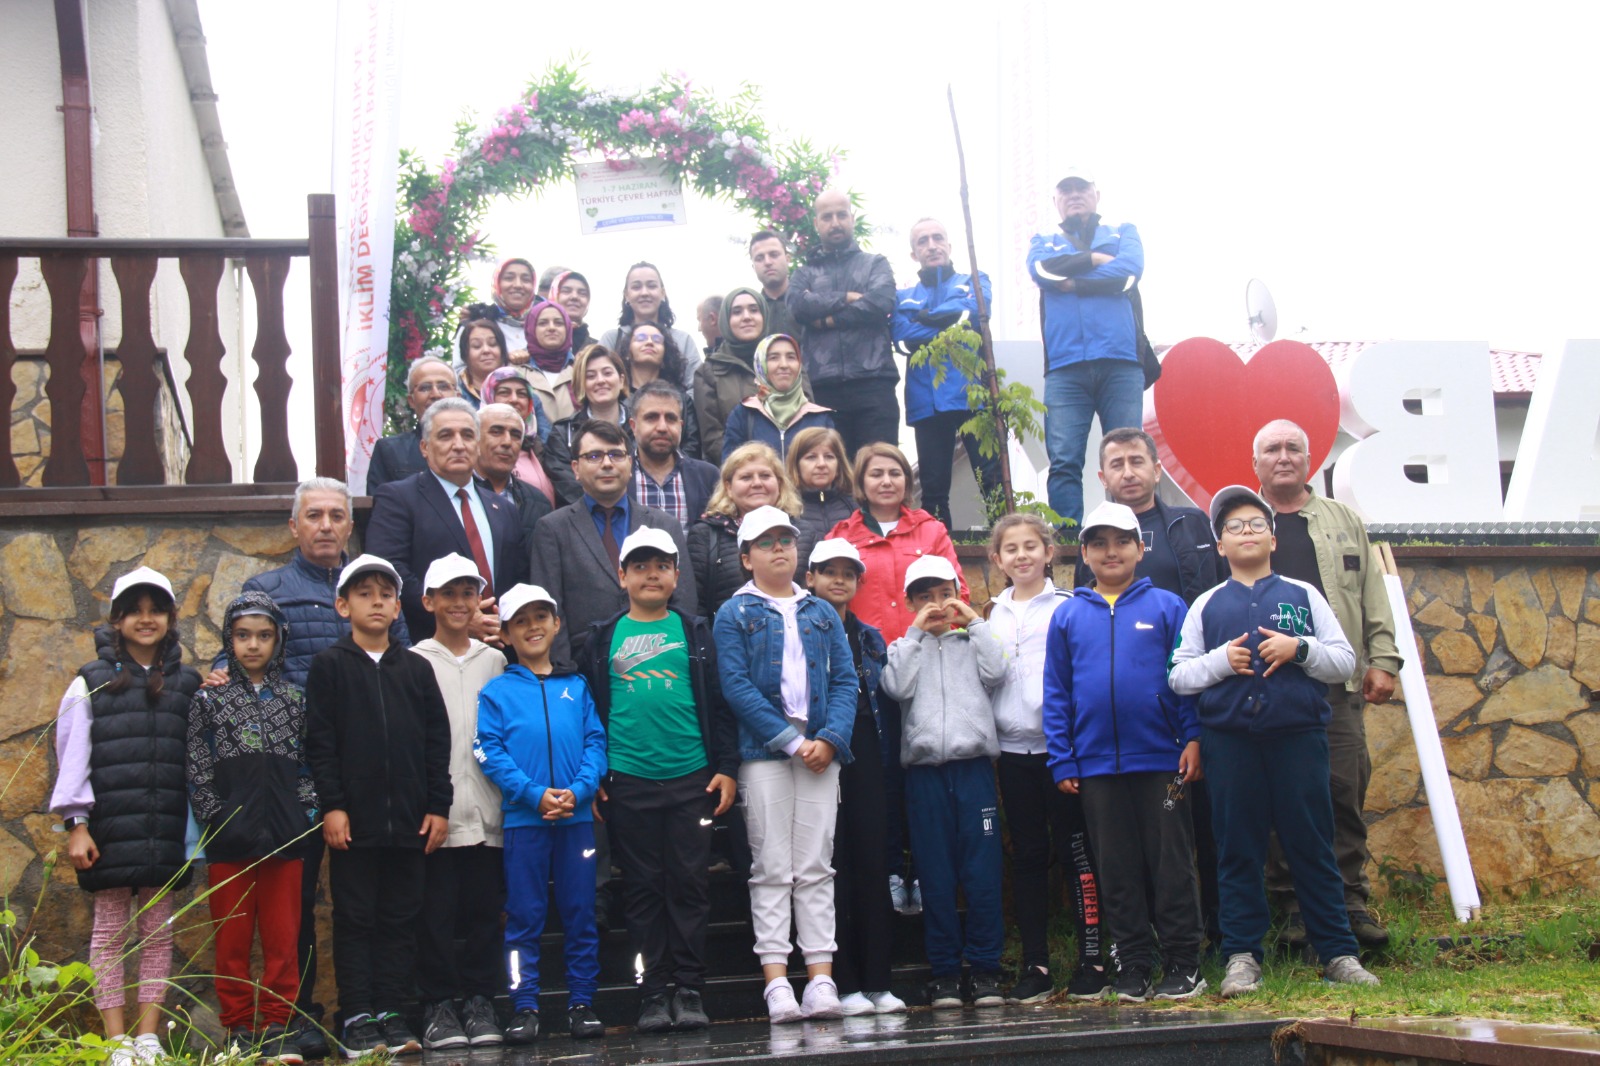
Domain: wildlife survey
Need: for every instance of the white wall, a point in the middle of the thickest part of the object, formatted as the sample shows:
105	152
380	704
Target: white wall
150	176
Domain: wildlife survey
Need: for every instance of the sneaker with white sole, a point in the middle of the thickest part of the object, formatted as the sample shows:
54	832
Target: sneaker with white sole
122	1051
821	998
857	1004
1180	984
1242	975
147	1049
782	1007
897	893
1347	970
1034	986
887	1003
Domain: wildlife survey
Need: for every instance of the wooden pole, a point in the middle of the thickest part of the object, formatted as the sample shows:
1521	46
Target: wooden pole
986	346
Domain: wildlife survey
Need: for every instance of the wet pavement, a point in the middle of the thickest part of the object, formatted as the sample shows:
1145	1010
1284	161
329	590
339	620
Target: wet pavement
1466	1040
1022	1035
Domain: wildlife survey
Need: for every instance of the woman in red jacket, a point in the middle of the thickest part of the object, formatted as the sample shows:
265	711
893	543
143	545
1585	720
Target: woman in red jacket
890	532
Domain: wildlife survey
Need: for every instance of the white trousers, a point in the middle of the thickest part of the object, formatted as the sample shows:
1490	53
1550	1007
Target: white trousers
789	814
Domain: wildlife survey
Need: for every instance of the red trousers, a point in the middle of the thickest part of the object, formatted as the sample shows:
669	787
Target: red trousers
244	897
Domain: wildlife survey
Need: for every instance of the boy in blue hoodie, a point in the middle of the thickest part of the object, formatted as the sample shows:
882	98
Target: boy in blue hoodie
1260	651
540	741
1120	738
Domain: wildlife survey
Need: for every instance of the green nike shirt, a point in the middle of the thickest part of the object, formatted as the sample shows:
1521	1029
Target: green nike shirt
653	731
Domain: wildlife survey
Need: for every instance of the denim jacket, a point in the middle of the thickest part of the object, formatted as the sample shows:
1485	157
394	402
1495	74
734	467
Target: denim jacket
874	657
749	636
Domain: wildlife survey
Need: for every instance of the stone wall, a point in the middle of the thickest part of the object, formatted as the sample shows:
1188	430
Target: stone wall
1511	648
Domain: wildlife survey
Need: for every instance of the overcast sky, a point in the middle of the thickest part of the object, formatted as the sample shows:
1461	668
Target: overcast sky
1417	170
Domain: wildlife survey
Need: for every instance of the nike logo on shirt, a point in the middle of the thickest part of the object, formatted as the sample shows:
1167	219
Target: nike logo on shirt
1143	625
638	650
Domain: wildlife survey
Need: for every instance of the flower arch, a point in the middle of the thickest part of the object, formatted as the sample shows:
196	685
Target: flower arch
719	147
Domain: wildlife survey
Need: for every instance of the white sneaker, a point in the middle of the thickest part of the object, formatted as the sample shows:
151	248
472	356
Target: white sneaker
147	1049
781	1004
855	1003
1243	975
821	999
887	1003
897	893
1347	970
123	1051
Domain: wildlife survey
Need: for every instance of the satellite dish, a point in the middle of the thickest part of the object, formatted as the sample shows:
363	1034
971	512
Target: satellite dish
1263	312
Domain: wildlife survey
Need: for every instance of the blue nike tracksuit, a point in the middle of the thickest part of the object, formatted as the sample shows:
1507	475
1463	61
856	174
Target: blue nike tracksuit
535	734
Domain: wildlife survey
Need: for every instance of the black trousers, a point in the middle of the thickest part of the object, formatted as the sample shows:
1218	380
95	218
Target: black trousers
895	839
862	911
1146	854
310	853
377	905
464	892
1205	859
661	831
1039	815
865	410
936	454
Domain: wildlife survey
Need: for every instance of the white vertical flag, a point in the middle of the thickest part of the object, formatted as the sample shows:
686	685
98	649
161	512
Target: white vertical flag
365	166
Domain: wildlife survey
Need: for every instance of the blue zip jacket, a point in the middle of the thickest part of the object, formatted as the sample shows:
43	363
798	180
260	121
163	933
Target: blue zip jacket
1107	706
1295	698
749	633
1096	321
536	733
938	300
750	421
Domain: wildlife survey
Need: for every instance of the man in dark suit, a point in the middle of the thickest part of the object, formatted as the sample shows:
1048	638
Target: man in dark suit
575	561
441	510
398	457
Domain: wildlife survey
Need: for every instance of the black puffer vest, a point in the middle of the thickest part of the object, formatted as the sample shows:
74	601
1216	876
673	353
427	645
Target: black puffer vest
136	766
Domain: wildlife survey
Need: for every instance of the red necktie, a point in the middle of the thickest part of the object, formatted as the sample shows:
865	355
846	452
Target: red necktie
475	541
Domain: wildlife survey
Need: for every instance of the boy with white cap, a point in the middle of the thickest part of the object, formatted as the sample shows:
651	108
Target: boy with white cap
943	675
540	741
786	672
1259	651
673	754
1120	738
378	740
863	911
465	888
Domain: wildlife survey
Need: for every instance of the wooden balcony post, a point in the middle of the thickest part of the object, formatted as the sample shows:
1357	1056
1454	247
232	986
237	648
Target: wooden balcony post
327	378
9	478
141	457
63	277
271	354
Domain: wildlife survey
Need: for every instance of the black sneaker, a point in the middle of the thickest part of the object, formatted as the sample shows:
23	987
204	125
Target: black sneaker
1035	986
361	1036
944	993
583	1023
479	1023
309	1039
1133	986
688	1012
524	1027
1181	984
654	1017
397	1035
441	1028
1088	982
1368	933
986	990
276	1046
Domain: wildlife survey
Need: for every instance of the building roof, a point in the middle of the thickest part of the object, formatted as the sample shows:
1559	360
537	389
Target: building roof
191	41
1514	373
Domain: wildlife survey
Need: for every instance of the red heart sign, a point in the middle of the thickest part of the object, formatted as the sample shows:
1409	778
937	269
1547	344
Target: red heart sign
1210	401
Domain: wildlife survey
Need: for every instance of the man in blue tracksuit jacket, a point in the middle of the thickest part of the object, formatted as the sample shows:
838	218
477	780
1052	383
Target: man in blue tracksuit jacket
1085	272
935	412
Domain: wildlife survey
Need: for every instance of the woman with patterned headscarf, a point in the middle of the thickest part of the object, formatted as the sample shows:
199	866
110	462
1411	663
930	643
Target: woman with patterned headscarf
779	410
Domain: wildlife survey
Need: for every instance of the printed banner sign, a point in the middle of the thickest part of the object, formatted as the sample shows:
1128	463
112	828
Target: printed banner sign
365	163
619	195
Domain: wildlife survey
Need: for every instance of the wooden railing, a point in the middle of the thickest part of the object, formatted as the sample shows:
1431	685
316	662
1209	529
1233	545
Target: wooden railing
63	263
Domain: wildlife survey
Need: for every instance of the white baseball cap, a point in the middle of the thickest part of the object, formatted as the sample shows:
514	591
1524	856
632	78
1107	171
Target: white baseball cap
646	537
142	576
517	597
934	566
1115	515
367	564
1231	493
448	568
763	520
836	548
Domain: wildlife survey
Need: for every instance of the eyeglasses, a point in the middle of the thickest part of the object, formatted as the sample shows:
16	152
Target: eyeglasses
766	544
615	456
1239	525
428	388
649	338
